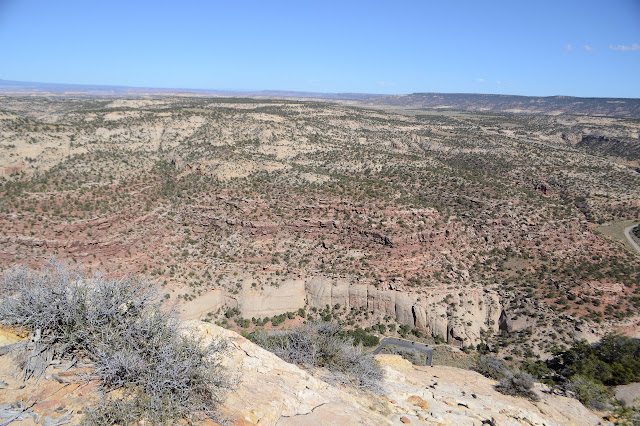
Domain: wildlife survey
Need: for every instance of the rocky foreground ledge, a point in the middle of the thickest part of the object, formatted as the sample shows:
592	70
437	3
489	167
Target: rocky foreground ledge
273	392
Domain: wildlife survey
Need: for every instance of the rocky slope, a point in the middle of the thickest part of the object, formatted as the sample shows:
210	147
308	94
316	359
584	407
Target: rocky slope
272	392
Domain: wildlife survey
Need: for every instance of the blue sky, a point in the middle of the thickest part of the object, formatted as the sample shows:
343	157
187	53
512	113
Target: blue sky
560	47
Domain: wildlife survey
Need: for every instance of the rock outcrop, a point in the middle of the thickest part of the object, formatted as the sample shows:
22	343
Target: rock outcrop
456	316
451	396
289	296
271	391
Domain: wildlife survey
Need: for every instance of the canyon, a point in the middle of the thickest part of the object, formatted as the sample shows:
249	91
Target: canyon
464	227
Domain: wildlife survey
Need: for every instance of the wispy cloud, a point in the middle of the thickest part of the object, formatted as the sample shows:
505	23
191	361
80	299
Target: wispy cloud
314	81
587	47
634	46
568	47
480	80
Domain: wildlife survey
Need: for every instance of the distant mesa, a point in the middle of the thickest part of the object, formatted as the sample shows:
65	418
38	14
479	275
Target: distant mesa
550	105
10	87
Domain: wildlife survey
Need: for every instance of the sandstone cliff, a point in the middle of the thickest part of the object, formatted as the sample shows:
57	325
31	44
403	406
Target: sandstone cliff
457	316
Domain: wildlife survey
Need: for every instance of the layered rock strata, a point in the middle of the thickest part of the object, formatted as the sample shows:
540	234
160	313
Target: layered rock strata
458	316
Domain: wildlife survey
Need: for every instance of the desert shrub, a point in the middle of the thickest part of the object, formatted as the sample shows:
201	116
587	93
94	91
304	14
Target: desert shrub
360	336
614	360
517	384
492	367
163	374
587	369
510	383
590	392
539	370
278	319
321	344
629	415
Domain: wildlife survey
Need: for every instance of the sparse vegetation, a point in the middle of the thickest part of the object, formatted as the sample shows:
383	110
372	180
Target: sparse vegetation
517	384
245	194
614	360
492	367
321	344
512	383
591	392
162	373
589	370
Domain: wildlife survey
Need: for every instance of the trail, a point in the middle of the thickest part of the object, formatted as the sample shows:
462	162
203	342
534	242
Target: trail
627	233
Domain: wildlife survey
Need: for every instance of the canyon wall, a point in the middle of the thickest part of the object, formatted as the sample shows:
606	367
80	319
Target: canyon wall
455	315
289	296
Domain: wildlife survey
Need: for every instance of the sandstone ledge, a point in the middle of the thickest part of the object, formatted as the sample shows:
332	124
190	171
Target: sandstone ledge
273	392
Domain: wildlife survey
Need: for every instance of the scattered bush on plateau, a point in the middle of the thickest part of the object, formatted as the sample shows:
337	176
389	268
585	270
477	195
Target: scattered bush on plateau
492	367
510	383
591	392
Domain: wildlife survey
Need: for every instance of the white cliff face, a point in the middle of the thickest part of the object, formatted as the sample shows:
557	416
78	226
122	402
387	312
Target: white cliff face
289	296
457	316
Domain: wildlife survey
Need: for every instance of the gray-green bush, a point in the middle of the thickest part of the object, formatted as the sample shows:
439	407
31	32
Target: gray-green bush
591	392
509	382
320	344
517	384
492	367
163	373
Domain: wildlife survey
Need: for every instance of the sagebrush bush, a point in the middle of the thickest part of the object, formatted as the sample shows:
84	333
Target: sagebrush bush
321	344
492	367
517	384
509	382
592	393
163	374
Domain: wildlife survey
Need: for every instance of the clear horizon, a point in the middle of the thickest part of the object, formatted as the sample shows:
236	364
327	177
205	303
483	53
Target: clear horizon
196	89
586	49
